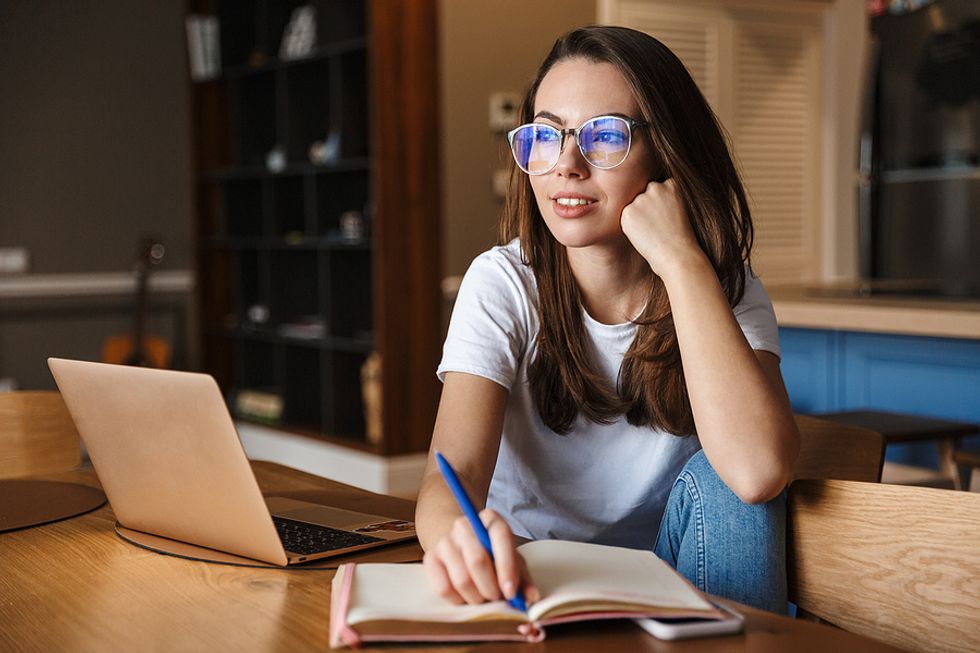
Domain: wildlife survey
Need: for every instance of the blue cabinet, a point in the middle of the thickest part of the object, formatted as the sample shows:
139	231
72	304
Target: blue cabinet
809	365
829	370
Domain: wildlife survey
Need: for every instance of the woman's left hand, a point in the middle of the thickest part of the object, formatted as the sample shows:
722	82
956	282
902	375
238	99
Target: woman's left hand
657	225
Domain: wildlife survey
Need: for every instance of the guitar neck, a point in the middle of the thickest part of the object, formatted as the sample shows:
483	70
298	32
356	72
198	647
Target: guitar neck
142	277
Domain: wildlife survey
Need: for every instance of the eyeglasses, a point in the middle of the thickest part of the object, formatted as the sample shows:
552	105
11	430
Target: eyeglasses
604	142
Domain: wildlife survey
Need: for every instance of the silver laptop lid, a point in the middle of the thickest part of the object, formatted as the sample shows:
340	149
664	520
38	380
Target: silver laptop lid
168	456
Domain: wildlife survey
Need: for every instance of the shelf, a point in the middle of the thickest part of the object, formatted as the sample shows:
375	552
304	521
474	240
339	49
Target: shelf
331	343
337	194
322	244
320	53
255	130
258	366
288	204
288	306
255	172
350	292
344	386
303	405
242	214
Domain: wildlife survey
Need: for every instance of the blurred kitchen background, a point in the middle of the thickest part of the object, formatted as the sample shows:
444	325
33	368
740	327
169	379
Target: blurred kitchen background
297	188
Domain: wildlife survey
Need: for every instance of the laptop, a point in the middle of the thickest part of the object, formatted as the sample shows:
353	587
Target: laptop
169	459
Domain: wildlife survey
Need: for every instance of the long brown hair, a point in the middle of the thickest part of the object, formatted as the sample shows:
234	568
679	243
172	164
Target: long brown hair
687	145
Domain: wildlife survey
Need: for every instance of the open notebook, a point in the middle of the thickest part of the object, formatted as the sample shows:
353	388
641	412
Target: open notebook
578	582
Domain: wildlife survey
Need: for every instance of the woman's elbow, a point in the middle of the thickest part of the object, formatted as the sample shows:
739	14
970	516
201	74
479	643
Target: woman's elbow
763	484
761	489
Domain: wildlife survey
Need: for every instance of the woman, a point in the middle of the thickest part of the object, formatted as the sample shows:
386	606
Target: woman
611	372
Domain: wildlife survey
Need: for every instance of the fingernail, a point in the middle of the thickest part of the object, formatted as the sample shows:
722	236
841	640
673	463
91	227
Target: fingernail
509	589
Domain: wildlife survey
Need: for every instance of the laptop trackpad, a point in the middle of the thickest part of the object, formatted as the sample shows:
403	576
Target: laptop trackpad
313	513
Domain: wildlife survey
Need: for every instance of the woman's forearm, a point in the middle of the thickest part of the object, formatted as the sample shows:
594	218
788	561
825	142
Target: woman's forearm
435	511
740	407
467	432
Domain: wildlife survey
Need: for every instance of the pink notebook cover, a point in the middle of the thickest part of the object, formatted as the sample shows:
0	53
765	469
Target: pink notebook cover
342	634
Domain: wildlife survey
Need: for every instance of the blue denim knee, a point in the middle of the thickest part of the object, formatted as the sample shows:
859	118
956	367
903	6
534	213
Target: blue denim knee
722	545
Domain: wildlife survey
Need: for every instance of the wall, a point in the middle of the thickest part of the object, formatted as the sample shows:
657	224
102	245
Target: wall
94	130
486	47
94	152
846	46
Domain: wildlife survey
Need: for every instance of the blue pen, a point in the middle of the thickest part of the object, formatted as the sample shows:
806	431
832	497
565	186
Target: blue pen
481	531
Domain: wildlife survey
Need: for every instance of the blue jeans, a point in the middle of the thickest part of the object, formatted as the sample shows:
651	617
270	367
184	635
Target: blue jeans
722	545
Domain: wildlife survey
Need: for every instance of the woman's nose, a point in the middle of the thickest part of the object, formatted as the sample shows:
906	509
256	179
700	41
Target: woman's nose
571	163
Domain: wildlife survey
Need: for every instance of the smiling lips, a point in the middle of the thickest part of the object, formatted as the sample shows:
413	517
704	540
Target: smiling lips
571	205
573	201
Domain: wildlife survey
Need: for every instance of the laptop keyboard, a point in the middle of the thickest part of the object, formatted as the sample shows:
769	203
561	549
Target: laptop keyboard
307	539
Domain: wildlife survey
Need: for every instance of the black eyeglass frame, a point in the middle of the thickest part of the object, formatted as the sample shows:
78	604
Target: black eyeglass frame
631	123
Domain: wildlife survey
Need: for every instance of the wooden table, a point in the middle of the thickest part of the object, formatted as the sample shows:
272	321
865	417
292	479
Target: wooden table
76	586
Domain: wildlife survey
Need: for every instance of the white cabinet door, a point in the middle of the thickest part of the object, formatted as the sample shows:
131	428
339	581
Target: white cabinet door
758	65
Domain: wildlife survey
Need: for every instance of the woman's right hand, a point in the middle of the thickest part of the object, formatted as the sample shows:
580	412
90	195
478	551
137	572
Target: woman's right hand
461	571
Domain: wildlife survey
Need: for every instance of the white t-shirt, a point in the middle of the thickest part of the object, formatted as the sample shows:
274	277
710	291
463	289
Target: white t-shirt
604	483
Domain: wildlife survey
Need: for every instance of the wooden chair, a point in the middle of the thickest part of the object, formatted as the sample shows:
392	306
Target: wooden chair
832	450
899	564
37	435
971	461
902	428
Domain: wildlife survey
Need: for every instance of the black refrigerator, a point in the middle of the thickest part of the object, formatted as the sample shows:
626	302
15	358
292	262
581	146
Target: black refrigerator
919	169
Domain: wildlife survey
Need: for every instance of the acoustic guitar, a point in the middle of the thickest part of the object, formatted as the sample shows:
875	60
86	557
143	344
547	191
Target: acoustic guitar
138	348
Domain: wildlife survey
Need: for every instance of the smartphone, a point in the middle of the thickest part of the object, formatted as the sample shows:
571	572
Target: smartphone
686	627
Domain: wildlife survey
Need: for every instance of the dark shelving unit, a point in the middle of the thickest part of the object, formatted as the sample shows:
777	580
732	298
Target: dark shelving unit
274	262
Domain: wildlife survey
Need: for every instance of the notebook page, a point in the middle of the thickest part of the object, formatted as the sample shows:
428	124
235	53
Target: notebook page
575	571
384	591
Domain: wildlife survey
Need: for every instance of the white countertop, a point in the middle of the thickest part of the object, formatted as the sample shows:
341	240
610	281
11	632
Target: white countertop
815	307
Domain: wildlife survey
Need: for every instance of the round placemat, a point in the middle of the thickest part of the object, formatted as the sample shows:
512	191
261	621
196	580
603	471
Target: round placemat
26	503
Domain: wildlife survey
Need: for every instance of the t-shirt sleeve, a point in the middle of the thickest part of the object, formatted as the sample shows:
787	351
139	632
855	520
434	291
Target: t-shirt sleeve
489	328
756	317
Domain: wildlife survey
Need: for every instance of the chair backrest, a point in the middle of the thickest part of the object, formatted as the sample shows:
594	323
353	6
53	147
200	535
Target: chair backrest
832	450
899	564
37	434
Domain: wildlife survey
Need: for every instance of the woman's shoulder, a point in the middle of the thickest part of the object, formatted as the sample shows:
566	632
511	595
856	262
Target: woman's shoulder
493	320
507	256
503	264
754	293
755	315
